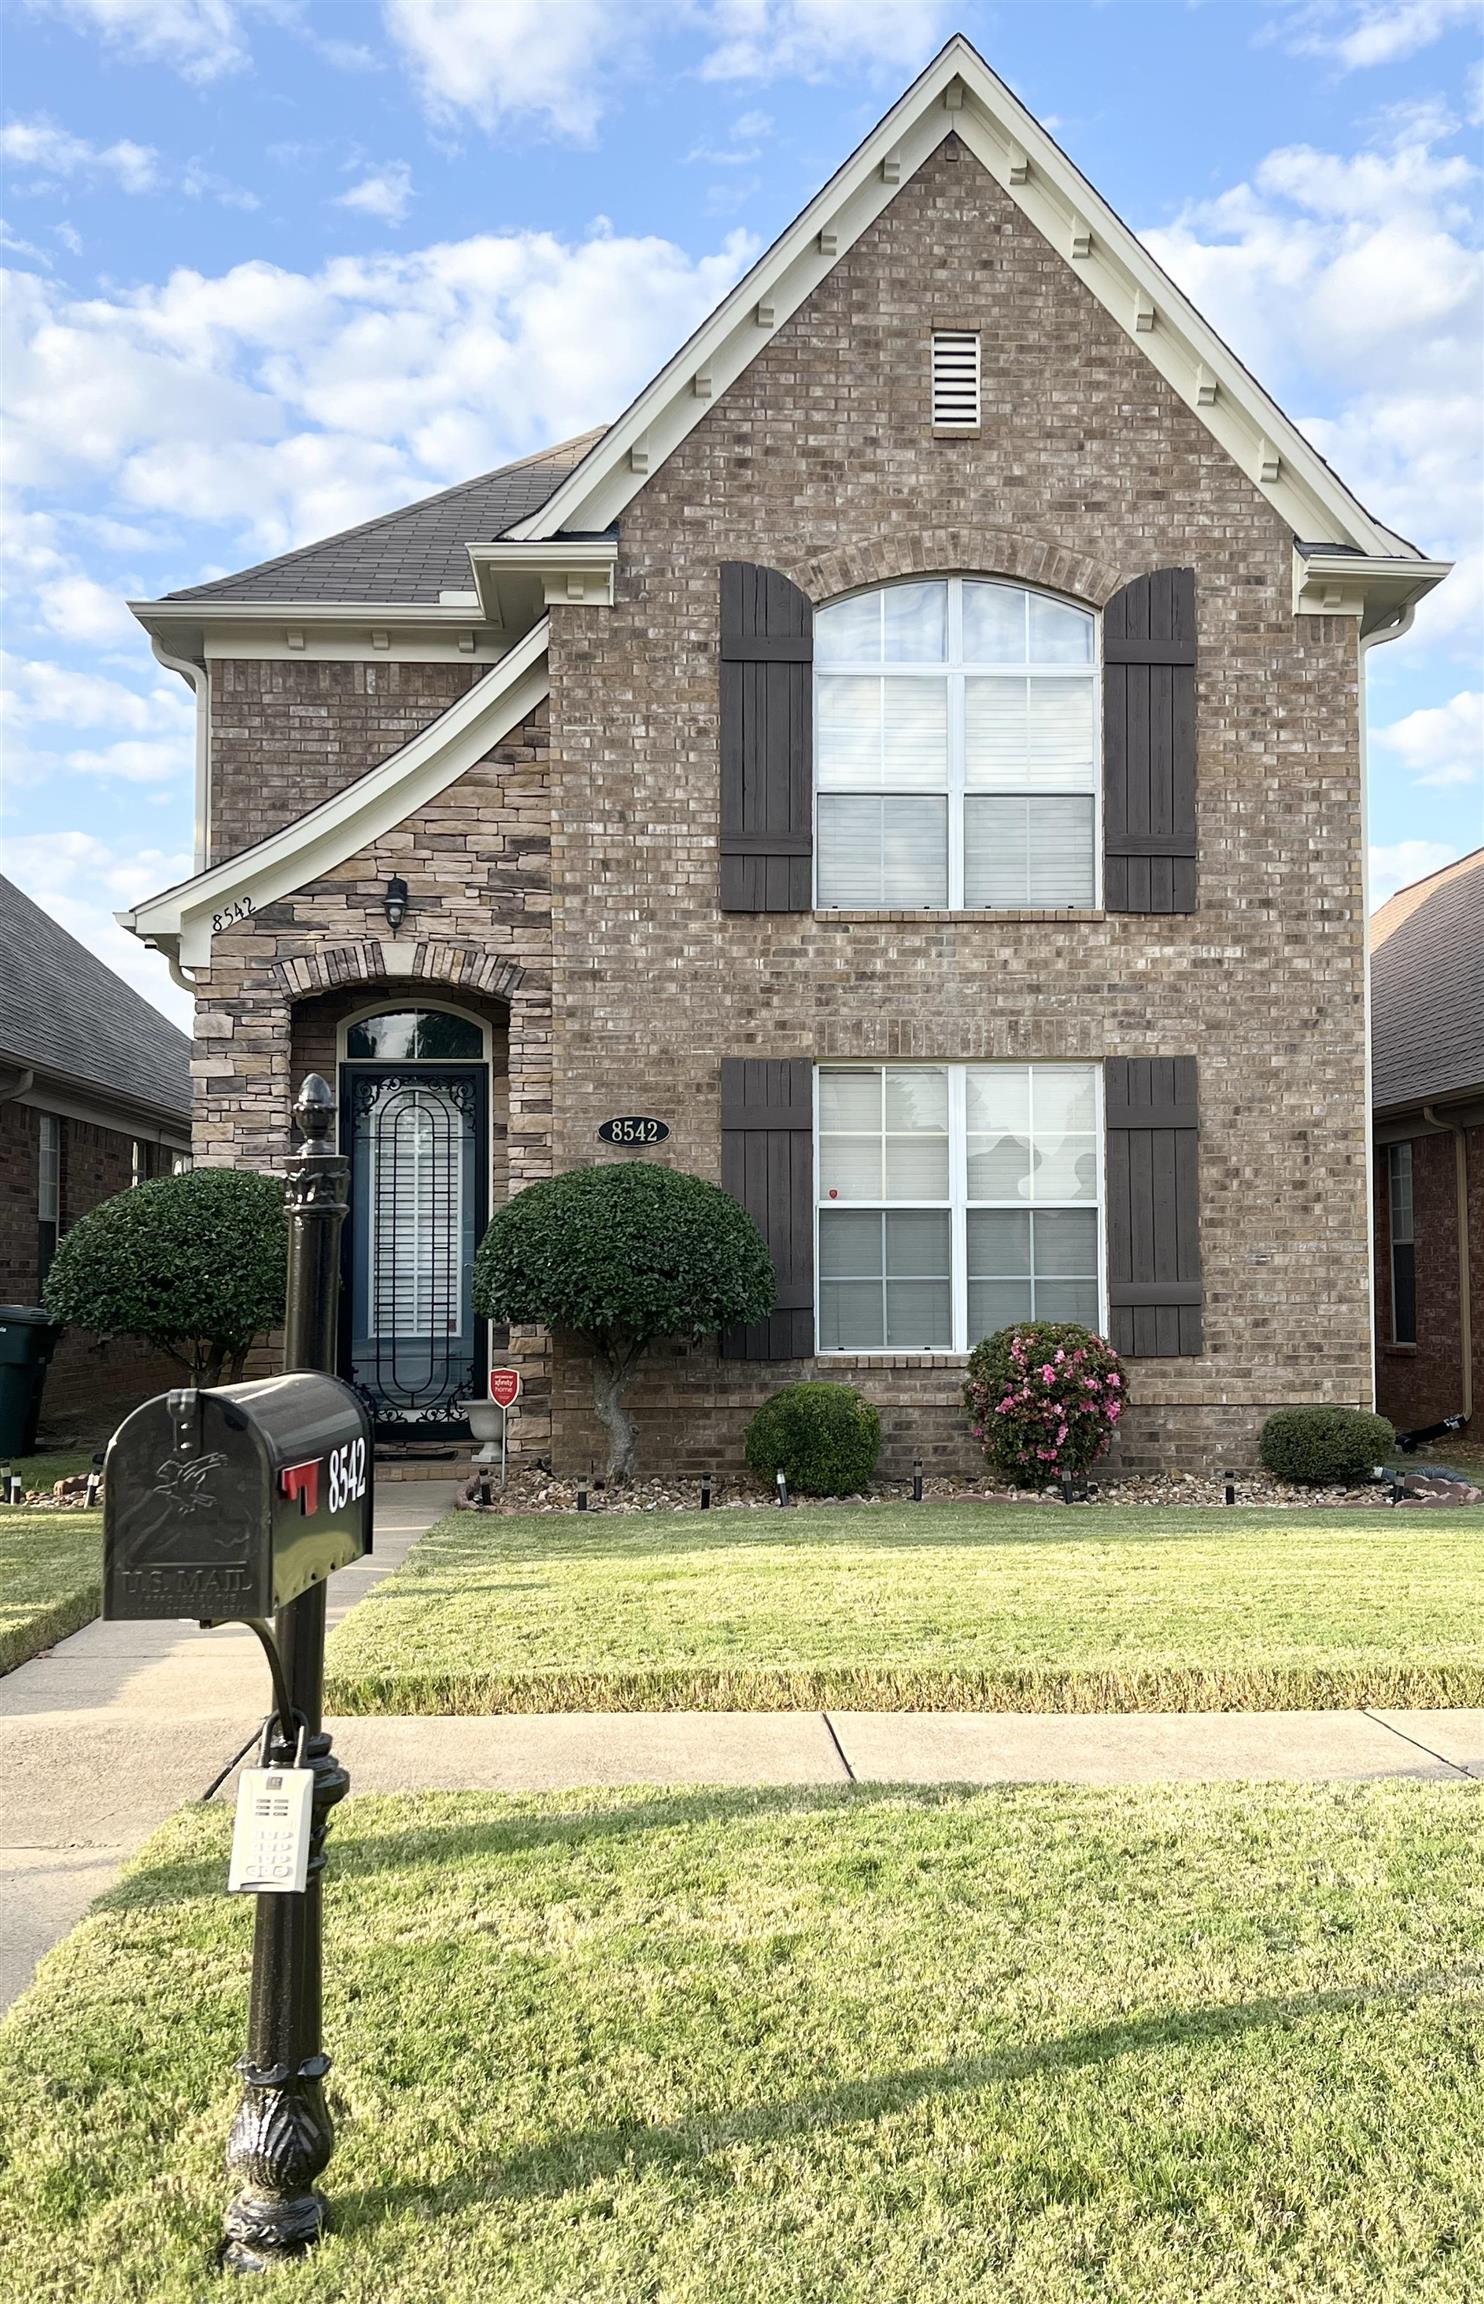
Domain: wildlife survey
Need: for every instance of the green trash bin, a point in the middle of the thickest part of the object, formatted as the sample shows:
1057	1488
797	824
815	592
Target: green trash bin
26	1341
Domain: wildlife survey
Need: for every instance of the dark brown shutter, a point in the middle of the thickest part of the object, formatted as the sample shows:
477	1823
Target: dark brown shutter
1154	1246
767	1162
1149	837
767	741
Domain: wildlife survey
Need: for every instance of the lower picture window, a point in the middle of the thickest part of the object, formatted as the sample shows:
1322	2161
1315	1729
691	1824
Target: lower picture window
955	1200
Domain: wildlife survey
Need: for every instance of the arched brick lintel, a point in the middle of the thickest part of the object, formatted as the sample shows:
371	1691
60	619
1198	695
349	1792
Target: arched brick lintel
453	967
969	551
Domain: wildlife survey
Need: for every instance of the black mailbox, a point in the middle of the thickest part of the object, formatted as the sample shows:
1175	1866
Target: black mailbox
229	1504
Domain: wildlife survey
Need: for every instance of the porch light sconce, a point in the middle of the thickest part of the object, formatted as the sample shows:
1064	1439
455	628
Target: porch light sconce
394	903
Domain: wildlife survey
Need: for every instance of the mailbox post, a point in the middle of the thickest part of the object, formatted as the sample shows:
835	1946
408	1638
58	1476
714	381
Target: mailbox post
230	1505
283	2136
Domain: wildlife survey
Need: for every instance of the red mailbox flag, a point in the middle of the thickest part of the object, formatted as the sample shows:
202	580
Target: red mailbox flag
504	1386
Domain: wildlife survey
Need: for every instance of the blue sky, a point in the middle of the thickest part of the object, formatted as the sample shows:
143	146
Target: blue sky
277	265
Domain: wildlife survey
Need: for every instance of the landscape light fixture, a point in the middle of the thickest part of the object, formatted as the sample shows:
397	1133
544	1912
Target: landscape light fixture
394	902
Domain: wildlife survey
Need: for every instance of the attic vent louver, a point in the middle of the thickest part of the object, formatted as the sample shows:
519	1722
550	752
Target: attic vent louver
956	380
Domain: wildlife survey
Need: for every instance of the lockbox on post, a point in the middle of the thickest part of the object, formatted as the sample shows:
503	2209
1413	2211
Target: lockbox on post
228	1504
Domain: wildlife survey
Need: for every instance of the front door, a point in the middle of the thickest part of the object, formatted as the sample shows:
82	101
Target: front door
417	1143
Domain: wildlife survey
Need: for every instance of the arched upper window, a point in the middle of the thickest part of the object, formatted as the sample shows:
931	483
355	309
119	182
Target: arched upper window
415	1036
955	748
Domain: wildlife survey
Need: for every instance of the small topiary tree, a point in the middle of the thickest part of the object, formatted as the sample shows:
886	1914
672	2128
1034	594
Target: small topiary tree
1317	1446
824	1437
192	1264
1045	1398
622	1255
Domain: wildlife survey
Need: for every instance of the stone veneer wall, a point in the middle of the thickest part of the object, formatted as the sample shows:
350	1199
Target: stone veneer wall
628	991
1088	470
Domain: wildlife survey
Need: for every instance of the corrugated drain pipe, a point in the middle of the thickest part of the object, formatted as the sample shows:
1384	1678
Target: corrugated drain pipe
1465	1312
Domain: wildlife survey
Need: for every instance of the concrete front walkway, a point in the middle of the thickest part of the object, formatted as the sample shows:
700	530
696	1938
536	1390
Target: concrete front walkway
107	1735
124	1723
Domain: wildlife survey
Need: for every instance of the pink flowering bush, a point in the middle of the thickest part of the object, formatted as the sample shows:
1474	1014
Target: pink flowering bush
1045	1398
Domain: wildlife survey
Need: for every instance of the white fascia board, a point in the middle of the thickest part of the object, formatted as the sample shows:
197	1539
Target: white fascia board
187	627
183	920
959	91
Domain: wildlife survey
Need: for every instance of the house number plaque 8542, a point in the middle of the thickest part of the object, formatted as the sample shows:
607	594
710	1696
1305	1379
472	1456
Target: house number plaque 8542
634	1129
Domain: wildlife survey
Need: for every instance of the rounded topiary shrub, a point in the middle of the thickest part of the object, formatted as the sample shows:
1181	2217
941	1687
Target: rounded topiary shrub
192	1264
824	1438
1044	1397
1317	1447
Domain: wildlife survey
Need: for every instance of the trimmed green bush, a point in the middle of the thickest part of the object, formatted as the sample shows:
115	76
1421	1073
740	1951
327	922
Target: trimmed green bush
824	1438
622	1255
1044	1397
193	1265
1320	1446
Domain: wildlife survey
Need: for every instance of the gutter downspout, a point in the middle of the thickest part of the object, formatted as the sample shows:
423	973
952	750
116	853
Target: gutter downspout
1465	1313
199	680
18	1086
1368	640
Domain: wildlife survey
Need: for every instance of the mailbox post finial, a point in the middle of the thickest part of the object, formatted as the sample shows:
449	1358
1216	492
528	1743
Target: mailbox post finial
314	1109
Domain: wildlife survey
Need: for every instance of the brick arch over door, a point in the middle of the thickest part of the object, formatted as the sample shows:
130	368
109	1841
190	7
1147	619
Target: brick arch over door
976	550
453	967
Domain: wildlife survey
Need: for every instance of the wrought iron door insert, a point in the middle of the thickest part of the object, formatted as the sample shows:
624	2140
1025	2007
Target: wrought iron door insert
417	1145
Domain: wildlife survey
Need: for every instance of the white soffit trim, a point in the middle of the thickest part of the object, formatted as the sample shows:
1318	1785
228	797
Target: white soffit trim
959	92
183	920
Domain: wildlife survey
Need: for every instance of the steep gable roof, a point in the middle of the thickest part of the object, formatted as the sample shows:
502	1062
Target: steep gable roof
958	92
409	556
1427	988
64	1014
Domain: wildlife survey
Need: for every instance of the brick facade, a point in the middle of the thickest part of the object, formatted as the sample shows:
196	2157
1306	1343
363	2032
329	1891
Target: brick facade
1419	1384
286	735
626	986
89	1383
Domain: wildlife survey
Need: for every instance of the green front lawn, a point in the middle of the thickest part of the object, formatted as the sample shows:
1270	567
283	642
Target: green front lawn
1173	2045
51	1576
928	1607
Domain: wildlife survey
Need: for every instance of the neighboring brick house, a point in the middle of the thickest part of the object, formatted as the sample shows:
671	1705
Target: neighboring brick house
1427	1100
914	754
95	1096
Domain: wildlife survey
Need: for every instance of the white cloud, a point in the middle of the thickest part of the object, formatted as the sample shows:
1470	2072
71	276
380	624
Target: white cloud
201	39
1375	31
86	612
39	148
286	405
386	193
1327	268
1440	744
81	881
811	39
44	706
1403	862
493	62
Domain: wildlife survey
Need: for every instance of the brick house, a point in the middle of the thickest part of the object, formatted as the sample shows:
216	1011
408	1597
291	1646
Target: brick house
1427	1099
95	1096
914	754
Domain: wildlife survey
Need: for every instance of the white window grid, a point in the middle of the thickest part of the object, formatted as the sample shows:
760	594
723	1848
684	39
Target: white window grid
958	672
959	1202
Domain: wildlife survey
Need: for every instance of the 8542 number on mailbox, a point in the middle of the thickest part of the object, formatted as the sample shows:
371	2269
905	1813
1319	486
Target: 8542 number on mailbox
634	1129
347	1474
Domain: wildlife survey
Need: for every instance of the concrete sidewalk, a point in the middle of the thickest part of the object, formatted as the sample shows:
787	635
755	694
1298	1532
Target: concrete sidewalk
116	1728
560	1751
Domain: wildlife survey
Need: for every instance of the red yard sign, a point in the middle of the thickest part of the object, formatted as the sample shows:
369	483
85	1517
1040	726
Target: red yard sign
504	1386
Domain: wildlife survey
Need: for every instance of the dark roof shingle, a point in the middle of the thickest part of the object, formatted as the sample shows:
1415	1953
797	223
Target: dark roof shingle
411	555
1427	987
62	1012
